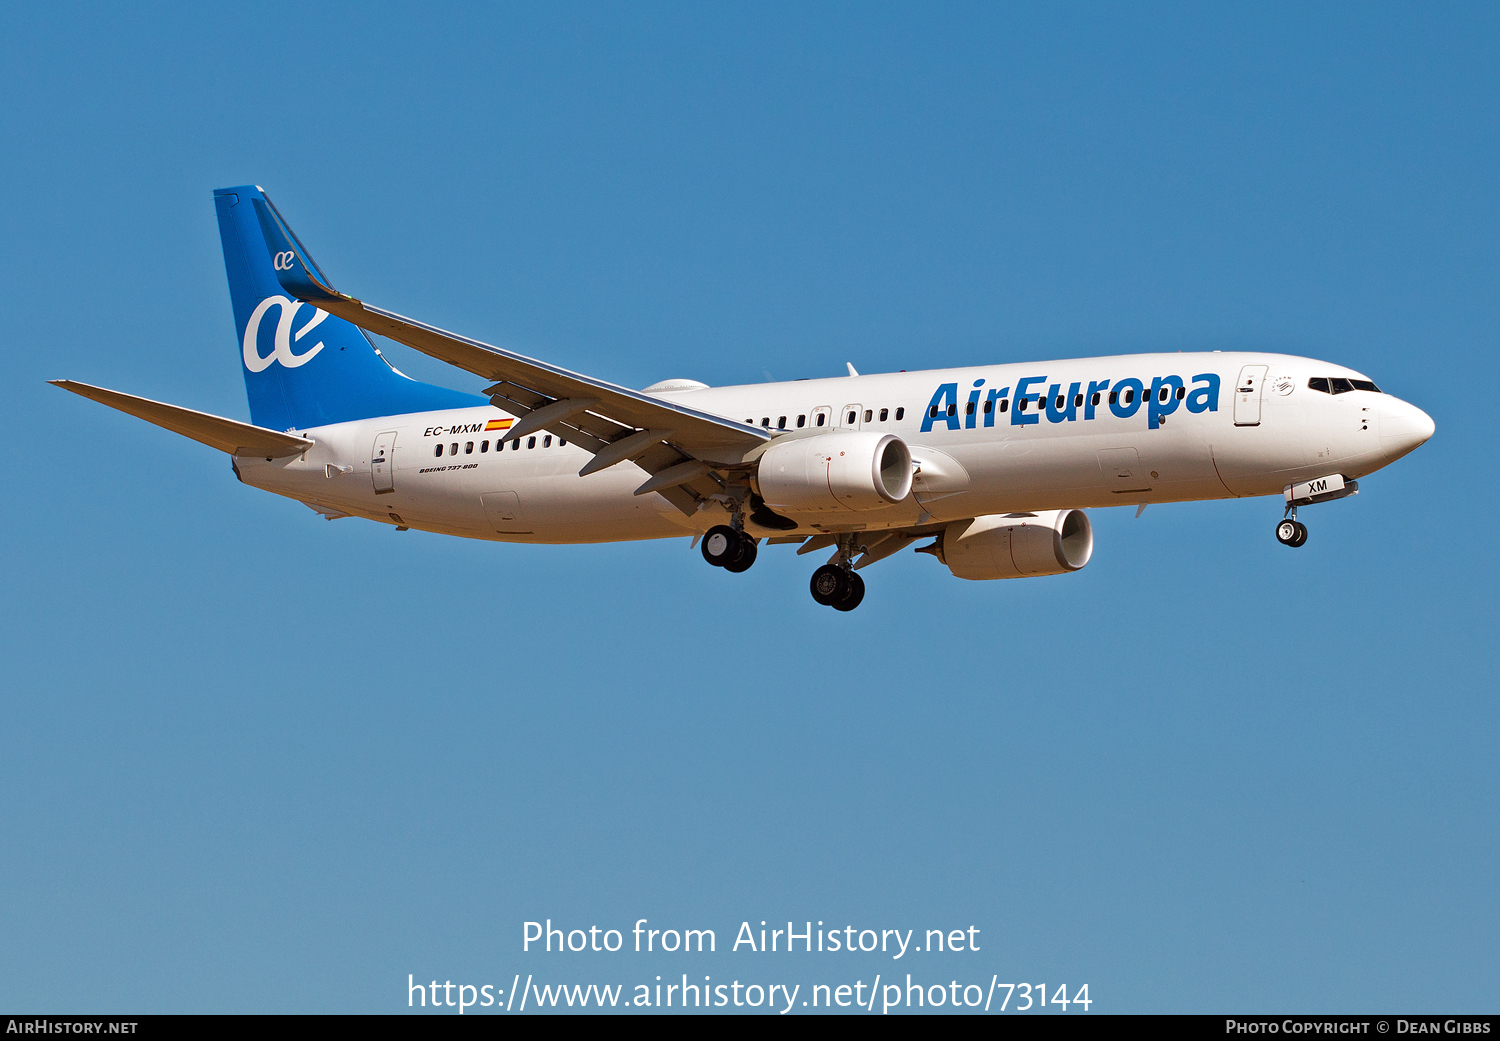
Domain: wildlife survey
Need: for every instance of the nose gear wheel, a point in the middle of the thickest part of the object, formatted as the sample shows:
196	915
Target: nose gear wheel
1291	531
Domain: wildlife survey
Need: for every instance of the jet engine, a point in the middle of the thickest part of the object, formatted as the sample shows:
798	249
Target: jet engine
1017	545
848	470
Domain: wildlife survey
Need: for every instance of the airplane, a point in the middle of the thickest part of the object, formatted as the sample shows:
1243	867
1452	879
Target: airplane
996	464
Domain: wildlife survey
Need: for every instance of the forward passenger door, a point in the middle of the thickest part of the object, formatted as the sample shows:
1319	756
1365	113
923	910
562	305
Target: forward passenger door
1247	394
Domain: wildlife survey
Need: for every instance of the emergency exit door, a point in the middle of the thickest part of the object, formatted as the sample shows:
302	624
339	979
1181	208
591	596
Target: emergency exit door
383	462
1247	392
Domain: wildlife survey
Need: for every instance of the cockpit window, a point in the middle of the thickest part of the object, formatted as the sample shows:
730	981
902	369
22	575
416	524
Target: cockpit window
1340	385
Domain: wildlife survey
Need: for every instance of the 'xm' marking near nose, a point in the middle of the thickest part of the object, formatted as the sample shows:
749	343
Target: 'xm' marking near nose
282	352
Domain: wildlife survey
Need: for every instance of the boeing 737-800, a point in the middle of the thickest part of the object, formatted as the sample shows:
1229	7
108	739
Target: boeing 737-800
994	463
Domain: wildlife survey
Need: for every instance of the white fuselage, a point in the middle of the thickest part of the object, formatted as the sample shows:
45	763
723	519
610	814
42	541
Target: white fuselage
1218	443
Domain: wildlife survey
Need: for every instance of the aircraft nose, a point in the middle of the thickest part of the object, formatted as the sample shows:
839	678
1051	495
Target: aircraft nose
1403	427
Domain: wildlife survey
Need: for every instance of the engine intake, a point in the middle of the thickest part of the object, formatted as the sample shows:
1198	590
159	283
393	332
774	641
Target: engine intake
849	470
1017	545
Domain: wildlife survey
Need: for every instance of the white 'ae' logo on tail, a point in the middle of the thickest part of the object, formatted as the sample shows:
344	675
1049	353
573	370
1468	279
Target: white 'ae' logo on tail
284	337
283	261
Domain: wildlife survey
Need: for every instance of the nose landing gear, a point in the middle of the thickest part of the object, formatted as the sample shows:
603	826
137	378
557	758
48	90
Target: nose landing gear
1291	531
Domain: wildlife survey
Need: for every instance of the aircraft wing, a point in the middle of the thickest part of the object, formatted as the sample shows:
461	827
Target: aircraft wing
227	435
679	446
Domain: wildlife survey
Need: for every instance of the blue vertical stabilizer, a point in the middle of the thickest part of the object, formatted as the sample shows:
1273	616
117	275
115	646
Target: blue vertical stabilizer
304	367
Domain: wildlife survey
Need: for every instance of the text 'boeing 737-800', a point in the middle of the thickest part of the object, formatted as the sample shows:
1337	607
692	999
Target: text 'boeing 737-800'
994	463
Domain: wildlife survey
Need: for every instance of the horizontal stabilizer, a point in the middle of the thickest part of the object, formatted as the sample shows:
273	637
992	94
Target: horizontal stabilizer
227	435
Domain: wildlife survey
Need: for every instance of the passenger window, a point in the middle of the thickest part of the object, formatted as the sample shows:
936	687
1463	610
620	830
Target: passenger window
547	441
953	410
765	421
439	450
780	422
1341	385
1114	396
868	414
969	409
1318	383
515	446
1129	396
932	412
801	421
1181	393
531	442
1096	397
852	417
1365	385
1005	404
1021	405
484	446
1077	400
900	414
1163	395
561	442
453	448
821	417
884	414
468	448
989	406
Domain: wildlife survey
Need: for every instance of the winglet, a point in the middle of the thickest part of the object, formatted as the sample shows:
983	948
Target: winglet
295	270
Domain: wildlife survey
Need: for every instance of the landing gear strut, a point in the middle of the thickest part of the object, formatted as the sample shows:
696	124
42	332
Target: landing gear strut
836	584
729	549
1291	531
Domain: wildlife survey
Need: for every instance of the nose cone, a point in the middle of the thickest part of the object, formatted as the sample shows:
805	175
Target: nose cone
1403	427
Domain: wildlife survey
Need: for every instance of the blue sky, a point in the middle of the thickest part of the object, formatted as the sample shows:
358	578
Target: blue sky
255	761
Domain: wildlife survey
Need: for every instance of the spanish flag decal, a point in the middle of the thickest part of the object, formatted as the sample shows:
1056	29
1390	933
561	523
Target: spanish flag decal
498	424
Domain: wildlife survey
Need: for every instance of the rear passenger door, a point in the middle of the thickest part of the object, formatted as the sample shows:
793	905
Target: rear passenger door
383	462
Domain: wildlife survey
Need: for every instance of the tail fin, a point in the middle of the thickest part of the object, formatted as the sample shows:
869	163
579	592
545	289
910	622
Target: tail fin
304	367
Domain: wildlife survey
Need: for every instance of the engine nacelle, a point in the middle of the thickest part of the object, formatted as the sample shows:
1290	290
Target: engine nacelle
1017	545
848	470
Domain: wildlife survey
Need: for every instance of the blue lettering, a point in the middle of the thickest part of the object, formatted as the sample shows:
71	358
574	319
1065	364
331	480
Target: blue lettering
1018	416
1163	399
1200	398
1127	398
1069	410
992	403
943	399
1095	387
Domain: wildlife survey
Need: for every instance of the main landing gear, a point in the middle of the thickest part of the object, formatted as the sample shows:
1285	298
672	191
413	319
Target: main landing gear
729	549
836	584
1291	531
837	587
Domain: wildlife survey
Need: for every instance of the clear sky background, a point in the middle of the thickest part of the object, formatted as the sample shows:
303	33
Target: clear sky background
256	761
